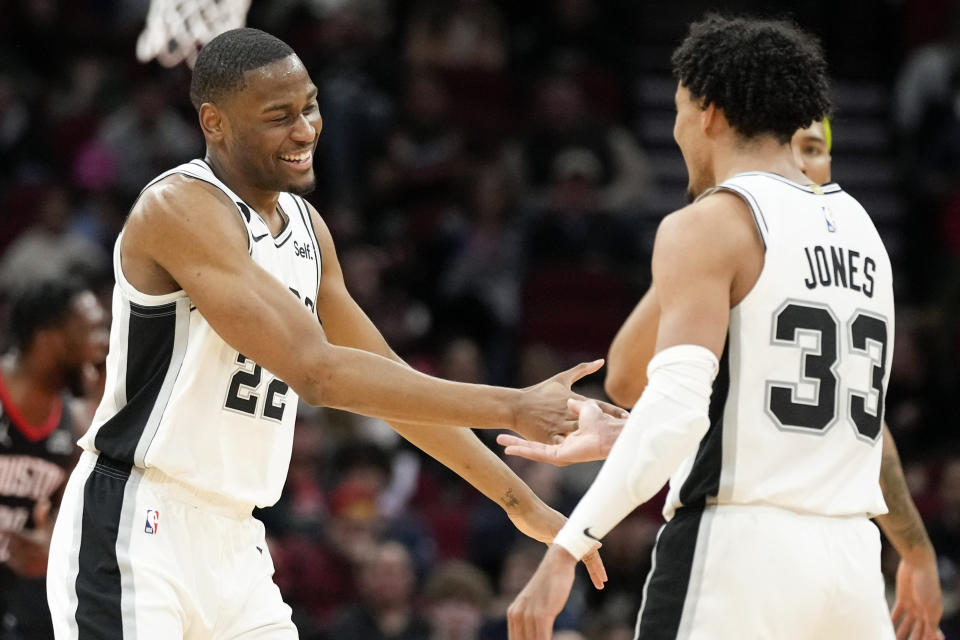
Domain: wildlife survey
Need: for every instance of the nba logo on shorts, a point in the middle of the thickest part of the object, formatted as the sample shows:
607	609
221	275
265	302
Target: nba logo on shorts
153	521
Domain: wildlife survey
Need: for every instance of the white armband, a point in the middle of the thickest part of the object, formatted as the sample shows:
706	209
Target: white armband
665	426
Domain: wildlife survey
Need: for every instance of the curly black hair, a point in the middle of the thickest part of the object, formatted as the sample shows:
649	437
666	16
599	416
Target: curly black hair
222	62
768	76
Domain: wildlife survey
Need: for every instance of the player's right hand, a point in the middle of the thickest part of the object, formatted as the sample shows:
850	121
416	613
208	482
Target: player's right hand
593	439
542	414
29	548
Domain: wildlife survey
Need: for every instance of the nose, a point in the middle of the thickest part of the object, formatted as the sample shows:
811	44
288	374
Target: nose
798	158
306	128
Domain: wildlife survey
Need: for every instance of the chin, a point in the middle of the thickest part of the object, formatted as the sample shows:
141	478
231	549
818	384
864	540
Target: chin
302	188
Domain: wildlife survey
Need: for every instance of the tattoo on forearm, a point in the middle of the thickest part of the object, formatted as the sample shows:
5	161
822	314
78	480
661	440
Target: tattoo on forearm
511	501
902	524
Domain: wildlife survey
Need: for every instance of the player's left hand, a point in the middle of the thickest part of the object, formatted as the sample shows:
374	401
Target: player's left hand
919	604
543	523
29	548
532	613
597	430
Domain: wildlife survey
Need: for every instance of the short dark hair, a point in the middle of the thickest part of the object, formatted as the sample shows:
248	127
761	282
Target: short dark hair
222	62
41	306
768	76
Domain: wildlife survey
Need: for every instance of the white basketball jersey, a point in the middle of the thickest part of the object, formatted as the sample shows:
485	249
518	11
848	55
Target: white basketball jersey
180	399
797	408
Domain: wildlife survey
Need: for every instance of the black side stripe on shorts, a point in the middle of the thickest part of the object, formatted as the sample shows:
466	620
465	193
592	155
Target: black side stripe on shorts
666	590
99	615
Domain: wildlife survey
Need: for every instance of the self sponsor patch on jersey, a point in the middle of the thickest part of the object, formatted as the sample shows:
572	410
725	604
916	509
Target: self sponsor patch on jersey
153	522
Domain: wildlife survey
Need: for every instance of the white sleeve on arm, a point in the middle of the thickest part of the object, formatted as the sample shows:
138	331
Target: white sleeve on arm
665	426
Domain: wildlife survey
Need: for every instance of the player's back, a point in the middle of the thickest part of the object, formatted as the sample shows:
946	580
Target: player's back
796	412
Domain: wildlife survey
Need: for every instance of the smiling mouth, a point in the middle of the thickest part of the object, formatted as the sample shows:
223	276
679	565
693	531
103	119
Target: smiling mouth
298	160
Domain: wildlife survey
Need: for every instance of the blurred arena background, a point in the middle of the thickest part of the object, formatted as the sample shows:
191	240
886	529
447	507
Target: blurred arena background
493	173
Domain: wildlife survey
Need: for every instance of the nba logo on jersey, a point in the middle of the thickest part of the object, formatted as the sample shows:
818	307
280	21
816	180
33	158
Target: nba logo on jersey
828	216
153	521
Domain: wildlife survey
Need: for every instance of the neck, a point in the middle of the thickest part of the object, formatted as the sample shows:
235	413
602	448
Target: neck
32	383
263	202
765	154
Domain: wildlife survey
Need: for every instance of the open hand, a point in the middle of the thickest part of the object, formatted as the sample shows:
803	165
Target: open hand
542	414
919	605
532	613
595	435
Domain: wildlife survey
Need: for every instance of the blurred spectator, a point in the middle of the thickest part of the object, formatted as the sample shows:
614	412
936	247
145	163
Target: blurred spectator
583	39
48	249
424	159
148	136
346	46
944	529
15	122
565	137
465	43
317	577
385	611
519	564
573	227
482	272
456	595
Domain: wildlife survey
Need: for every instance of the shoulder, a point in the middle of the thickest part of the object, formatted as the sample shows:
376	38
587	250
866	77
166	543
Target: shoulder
179	194
717	225
183	203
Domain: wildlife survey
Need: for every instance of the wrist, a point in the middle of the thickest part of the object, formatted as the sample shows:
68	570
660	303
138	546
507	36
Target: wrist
519	500
920	555
513	401
560	555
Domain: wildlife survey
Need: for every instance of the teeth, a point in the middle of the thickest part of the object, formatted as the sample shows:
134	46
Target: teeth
297	158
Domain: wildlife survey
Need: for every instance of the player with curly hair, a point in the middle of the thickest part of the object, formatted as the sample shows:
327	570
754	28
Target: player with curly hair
764	398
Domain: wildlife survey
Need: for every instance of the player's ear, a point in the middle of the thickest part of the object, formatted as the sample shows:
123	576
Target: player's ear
211	121
708	117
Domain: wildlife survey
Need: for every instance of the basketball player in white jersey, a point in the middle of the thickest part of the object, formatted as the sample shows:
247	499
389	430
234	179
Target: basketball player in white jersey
919	605
773	463
228	304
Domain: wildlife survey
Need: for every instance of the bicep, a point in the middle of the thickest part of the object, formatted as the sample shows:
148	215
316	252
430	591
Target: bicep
698	255
195	239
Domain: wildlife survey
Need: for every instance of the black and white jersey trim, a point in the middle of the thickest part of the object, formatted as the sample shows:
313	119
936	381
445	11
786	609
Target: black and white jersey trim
155	345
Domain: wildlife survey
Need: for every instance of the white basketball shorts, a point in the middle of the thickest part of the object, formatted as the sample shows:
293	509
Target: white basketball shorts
138	555
762	573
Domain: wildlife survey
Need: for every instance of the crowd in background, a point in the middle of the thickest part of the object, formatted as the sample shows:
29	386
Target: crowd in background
481	171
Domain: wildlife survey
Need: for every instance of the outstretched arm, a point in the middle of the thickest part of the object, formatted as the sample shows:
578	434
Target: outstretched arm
191	232
919	604
458	449
670	418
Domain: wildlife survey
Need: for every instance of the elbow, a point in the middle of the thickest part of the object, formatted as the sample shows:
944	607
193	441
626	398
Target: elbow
316	368
624	390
